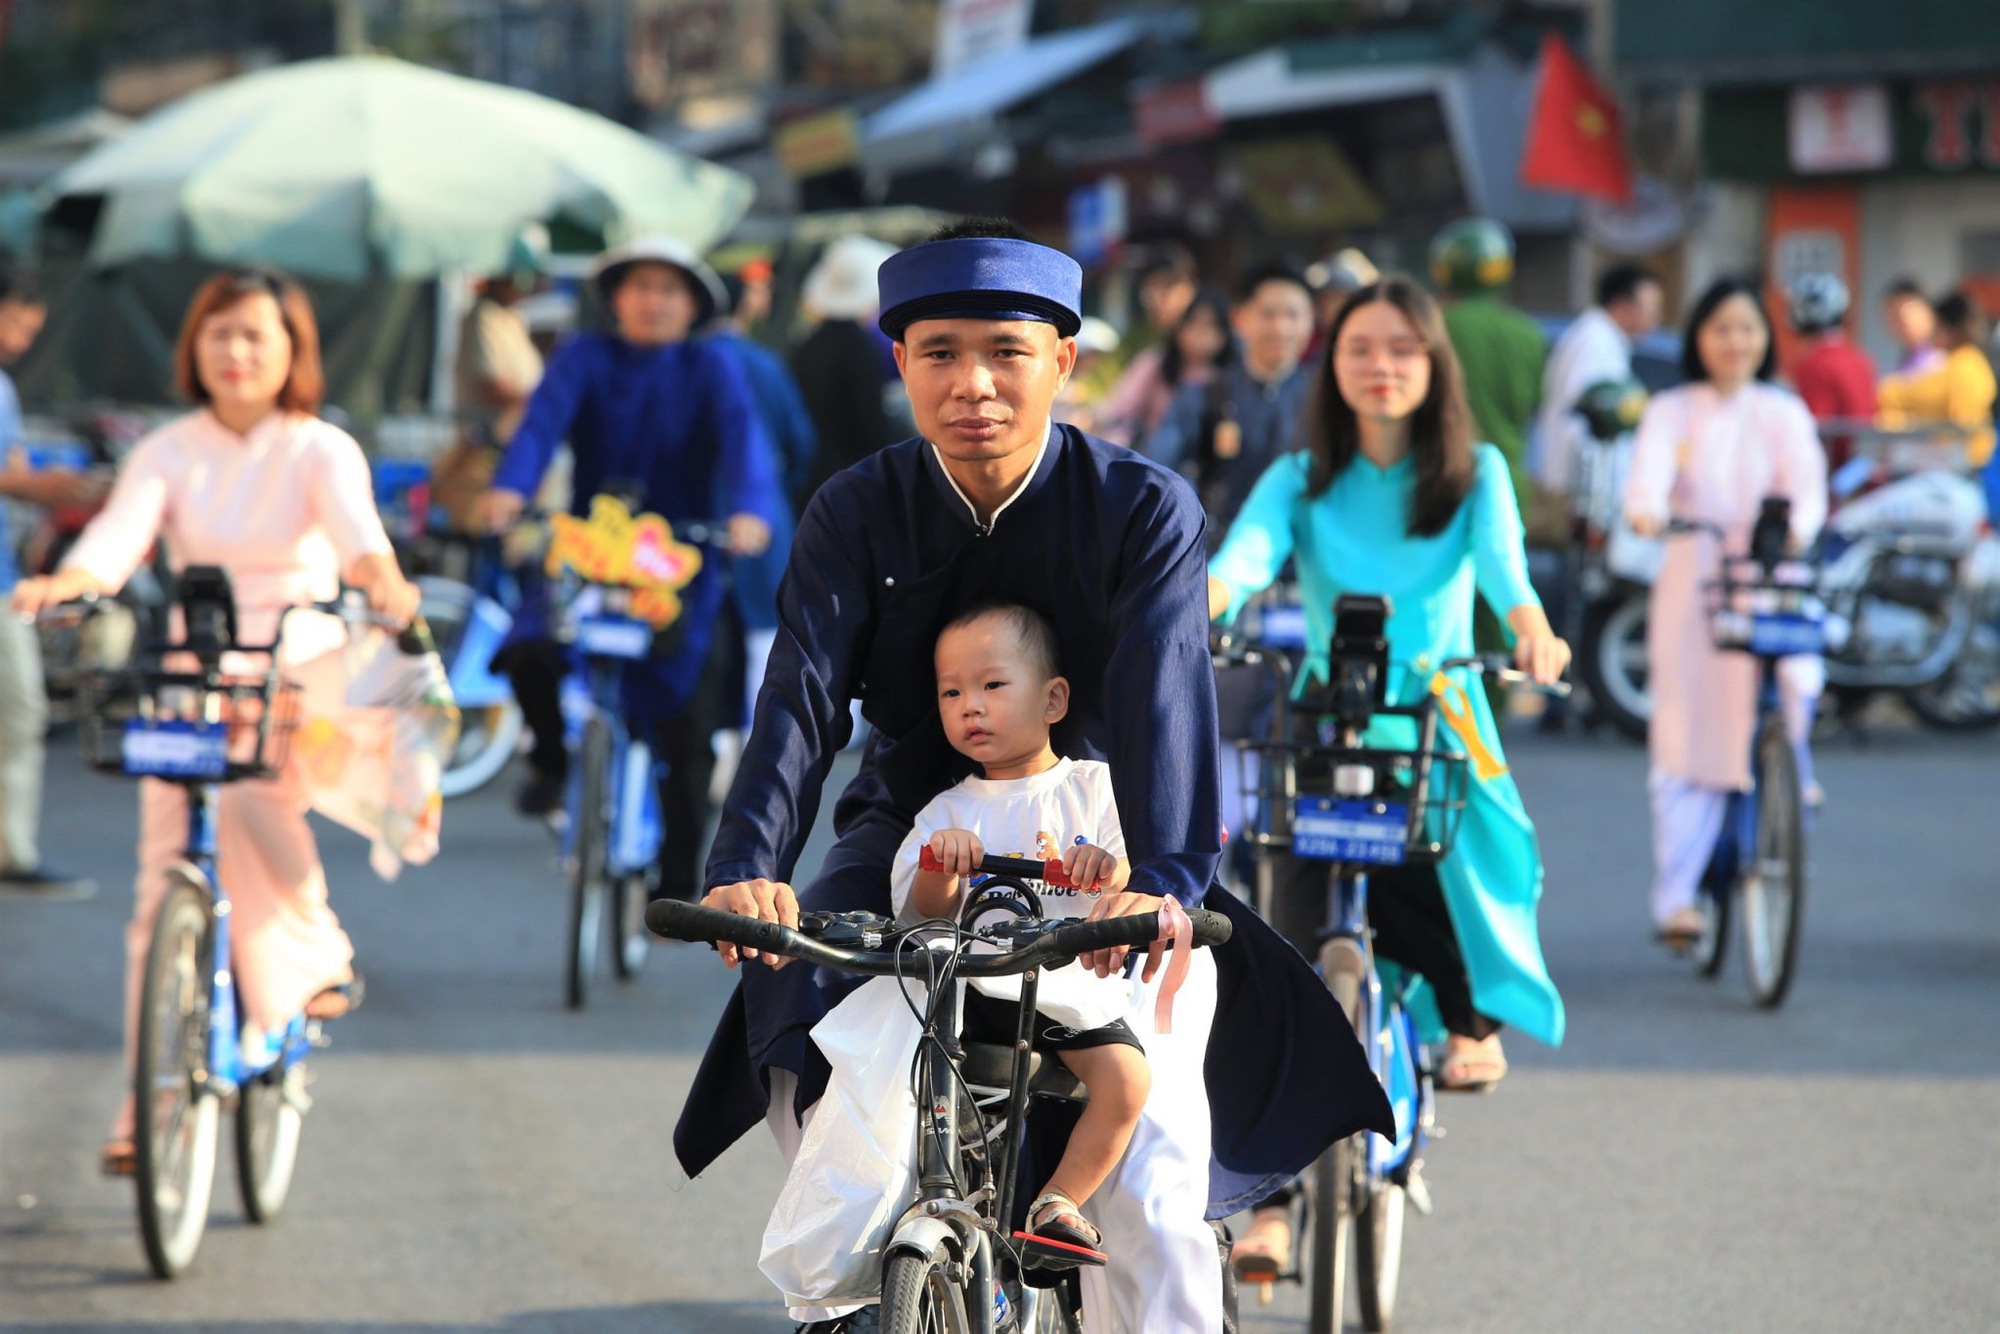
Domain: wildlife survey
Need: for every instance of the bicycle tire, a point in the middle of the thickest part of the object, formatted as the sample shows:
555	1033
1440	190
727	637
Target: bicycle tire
176	1121
1712	946
270	1115
587	888
1772	891
1332	1221
1378	1253
631	942
919	1295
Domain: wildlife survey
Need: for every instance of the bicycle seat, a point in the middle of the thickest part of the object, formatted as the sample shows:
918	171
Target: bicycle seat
991	1065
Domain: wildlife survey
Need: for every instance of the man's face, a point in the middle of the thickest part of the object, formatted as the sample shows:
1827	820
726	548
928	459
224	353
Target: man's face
1638	314
654	305
1275	325
20	322
982	389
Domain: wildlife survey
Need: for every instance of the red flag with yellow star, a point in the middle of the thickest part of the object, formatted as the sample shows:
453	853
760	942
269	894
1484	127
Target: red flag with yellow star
1576	143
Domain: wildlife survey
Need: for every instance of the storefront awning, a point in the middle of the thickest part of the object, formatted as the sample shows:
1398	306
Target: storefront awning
1789	41
937	121
1483	93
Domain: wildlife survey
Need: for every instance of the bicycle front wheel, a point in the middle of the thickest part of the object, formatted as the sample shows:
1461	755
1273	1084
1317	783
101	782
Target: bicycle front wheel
270	1114
1378	1253
630	941
591	831
919	1296
1772	890
176	1126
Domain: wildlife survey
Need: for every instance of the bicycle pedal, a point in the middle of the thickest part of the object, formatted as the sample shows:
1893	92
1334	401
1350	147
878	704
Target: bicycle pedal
316	1037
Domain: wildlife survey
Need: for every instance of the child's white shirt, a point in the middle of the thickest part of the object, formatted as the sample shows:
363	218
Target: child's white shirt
1038	818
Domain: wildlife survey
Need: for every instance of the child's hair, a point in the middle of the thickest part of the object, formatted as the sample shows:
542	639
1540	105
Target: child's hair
1037	635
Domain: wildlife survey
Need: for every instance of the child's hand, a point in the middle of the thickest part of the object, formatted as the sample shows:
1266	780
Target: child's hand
1089	868
958	851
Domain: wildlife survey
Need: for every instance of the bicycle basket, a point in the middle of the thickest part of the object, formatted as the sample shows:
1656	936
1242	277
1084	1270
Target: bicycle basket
188	727
1769	615
1375	806
596	619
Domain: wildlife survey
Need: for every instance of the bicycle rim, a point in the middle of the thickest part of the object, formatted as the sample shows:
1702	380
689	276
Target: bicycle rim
176	1118
269	1119
487	739
630	941
586	869
1772	891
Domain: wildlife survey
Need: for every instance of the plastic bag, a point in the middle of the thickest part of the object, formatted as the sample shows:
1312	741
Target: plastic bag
376	766
854	1175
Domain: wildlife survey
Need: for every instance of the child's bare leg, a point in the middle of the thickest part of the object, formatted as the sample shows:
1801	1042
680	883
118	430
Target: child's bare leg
1118	1080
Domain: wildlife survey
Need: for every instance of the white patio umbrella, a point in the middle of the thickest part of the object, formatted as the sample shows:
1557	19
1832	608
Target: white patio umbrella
361	166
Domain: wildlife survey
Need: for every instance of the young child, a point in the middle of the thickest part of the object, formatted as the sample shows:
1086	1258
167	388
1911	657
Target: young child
998	695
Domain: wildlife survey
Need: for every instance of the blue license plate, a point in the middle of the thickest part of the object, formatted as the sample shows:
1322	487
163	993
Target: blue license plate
1776	635
613	637
176	750
1369	832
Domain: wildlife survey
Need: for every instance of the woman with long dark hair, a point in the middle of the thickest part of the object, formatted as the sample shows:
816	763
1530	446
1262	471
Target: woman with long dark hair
1392	496
1712	450
1193	354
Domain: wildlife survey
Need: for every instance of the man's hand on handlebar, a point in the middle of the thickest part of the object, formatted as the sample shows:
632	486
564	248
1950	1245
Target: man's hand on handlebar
1124	903
499	510
765	900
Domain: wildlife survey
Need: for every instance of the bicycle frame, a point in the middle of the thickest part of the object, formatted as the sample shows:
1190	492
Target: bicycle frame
635	830
1395	1054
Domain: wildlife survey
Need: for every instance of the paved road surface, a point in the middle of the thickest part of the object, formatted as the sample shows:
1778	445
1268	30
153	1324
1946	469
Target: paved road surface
479	1159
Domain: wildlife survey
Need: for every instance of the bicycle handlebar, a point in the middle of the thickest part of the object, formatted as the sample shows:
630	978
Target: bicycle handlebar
1049	872
1501	669
692	922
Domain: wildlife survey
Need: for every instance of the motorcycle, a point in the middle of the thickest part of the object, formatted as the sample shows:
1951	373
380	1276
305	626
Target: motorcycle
1911	579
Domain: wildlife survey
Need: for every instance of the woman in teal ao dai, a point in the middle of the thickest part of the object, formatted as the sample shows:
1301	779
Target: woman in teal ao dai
1392	497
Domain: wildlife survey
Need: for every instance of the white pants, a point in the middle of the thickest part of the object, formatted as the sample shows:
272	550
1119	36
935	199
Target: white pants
1687	821
1164	1274
24	718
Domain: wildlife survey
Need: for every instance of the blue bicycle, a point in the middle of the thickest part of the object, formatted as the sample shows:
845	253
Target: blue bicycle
1765	604
177	716
1338	797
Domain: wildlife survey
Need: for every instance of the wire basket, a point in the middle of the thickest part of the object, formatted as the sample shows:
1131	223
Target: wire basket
188	727
1372	806
1774	613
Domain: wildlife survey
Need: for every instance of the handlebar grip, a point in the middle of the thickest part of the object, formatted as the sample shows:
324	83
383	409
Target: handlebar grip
1020	868
1137	931
690	921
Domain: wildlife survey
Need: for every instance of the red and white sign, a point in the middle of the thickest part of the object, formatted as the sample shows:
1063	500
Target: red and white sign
970	30
1844	128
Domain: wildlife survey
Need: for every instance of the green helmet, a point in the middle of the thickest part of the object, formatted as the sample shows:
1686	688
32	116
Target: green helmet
1472	255
1612	408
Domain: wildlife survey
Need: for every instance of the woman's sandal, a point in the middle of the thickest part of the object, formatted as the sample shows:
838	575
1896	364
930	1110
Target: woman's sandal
1058	1235
1265	1249
337	1001
1490	1061
1682	931
118	1158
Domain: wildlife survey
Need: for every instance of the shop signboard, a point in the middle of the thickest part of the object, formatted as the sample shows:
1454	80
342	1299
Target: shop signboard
1842	128
1097	220
970	30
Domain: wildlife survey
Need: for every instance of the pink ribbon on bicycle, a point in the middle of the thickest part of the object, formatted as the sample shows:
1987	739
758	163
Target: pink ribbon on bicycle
1176	926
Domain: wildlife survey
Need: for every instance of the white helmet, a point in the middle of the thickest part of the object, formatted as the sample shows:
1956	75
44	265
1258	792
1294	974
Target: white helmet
1817	301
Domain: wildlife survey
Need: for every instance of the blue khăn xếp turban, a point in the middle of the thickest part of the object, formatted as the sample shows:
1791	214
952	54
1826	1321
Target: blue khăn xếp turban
983	278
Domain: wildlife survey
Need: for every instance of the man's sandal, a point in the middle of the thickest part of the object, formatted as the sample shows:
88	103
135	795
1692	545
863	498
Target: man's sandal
1058	1235
118	1158
1265	1249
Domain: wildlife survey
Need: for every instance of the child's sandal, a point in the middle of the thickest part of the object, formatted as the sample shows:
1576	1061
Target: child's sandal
1058	1234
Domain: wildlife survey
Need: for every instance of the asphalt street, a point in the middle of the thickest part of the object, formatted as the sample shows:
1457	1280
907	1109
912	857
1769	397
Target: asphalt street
478	1158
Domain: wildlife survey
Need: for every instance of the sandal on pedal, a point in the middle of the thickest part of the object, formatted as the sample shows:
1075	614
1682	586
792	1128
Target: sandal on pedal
1264	1250
1474	1069
1683	930
338	1001
1058	1235
118	1158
